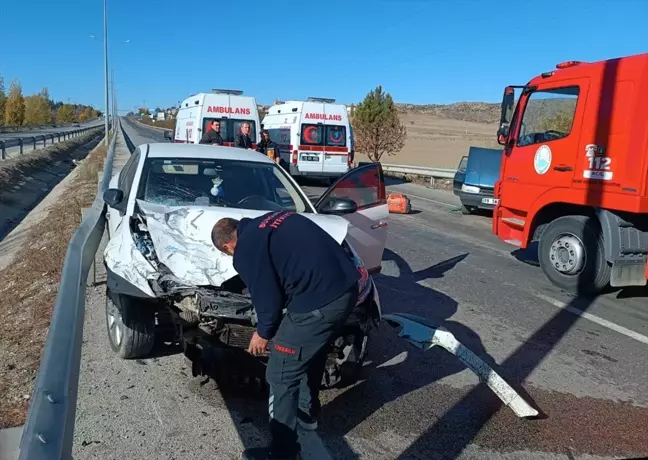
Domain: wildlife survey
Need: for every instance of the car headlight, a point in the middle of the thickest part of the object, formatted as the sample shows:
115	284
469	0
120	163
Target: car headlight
469	189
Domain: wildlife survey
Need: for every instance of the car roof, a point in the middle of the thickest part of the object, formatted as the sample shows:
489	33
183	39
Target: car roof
169	150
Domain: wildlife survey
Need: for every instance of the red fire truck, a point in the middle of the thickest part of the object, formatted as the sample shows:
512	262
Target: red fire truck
574	173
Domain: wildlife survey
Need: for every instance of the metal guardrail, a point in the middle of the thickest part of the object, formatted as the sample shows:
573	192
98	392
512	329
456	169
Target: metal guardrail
49	430
441	173
16	128
33	141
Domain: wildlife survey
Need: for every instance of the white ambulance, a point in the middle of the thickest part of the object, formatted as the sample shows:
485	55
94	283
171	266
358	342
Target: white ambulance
229	107
314	137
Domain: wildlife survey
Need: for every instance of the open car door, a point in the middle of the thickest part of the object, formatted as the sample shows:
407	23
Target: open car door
365	186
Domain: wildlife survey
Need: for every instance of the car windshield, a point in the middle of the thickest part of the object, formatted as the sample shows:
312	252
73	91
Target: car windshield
223	183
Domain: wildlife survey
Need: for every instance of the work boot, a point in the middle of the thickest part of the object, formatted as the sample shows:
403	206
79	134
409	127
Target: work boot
267	453
305	421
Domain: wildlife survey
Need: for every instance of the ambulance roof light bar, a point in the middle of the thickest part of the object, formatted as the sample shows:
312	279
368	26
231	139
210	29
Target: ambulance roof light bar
233	92
567	64
321	99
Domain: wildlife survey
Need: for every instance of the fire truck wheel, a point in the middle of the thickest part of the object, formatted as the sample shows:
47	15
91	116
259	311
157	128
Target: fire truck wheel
572	255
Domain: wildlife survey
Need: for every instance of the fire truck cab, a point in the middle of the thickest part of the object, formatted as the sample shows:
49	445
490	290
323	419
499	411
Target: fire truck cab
230	107
574	174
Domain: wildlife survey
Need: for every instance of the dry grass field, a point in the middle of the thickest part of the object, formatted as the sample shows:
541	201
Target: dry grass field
438	136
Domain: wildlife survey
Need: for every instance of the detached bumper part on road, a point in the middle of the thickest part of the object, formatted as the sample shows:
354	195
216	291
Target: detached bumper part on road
423	334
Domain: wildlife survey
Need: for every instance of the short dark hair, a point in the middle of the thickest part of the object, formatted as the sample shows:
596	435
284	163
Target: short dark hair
223	232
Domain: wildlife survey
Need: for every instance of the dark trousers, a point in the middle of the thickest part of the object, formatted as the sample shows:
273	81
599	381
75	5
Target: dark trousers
296	365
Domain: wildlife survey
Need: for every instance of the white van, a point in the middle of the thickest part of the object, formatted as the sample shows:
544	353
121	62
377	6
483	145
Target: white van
230	107
314	137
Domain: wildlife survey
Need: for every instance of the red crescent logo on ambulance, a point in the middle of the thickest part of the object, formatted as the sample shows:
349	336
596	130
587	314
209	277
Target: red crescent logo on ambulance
310	134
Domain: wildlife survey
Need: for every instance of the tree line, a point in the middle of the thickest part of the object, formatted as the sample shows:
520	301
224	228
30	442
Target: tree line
38	109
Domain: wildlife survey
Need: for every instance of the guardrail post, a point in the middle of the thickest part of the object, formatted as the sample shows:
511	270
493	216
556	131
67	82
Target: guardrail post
3	150
21	144
34	139
91	280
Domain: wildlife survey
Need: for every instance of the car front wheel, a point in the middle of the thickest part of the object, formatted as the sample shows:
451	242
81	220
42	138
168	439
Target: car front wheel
344	362
131	326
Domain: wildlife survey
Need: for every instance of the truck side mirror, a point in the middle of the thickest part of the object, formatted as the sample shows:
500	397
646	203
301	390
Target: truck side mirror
506	114
502	134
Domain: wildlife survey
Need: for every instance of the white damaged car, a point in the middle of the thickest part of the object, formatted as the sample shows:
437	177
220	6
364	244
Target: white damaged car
163	269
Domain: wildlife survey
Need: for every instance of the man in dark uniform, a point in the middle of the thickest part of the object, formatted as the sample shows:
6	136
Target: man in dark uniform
243	139
266	143
212	136
288	261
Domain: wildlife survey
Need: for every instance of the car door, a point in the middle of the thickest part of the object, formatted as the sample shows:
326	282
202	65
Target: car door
460	175
367	234
124	183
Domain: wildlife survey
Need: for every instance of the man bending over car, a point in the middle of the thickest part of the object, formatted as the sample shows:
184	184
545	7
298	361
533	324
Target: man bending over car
288	261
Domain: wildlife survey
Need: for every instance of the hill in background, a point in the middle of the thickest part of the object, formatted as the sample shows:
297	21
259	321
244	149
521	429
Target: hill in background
476	112
439	135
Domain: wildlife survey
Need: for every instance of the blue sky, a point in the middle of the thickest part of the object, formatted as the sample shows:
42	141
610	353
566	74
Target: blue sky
420	51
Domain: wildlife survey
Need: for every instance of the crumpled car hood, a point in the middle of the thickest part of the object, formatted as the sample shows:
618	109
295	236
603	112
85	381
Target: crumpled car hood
181	238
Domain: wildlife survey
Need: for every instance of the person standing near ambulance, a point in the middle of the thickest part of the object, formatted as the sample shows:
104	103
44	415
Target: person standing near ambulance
267	143
287	260
243	139
213	135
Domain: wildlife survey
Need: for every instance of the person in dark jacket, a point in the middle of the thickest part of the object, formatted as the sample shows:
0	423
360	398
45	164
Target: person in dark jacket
212	136
288	261
267	143
243	139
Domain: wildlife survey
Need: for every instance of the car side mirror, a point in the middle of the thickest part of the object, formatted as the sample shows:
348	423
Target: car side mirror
338	206
168	136
114	198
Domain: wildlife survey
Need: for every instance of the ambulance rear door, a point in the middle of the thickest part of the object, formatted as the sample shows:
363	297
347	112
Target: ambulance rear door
310	158
336	139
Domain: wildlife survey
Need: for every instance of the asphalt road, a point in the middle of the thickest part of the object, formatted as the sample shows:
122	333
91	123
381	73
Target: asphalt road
582	364
51	130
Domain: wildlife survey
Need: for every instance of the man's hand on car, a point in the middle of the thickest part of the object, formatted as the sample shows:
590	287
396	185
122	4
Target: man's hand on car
257	344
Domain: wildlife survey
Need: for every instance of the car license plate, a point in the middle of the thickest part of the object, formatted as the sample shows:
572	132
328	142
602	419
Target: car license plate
489	200
310	158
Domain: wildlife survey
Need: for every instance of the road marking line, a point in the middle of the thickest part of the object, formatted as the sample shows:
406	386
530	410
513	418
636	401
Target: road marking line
428	199
595	319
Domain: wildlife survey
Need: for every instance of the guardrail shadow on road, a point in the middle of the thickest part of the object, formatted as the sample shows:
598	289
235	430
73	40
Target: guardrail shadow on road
459	426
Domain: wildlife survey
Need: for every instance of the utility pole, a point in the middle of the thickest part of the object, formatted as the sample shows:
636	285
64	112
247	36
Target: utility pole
114	109
105	18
